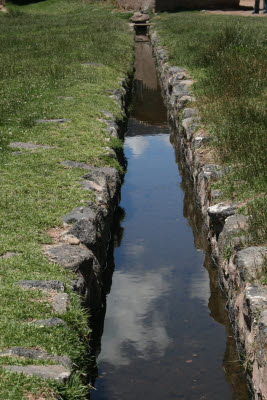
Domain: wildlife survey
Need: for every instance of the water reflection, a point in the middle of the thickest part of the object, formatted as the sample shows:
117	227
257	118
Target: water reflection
132	302
166	326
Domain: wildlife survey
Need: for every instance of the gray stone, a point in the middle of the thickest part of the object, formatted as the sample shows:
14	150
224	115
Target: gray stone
184	100
65	97
100	189
49	322
55	372
54	120
178	90
233	226
8	254
218	214
189	112
255	299
109	153
108	115
250	262
60	303
212	171
75	164
29	146
112	127
261	346
215	194
139	17
175	70
16	153
36	354
105	180
190	126
92	64
42	285
78	284
86	231
80	213
68	256
199	141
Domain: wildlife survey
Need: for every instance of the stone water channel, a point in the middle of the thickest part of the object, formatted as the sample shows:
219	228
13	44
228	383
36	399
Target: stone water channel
164	331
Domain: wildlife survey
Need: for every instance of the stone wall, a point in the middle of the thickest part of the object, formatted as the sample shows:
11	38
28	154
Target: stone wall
172	5
136	4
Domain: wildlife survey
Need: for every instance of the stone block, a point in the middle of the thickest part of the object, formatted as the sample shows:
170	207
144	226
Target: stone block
68	256
55	372
250	262
42	285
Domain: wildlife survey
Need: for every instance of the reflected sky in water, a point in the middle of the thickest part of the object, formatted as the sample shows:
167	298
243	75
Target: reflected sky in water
166	333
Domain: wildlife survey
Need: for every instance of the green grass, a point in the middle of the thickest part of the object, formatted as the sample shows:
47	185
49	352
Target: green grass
228	57
43	47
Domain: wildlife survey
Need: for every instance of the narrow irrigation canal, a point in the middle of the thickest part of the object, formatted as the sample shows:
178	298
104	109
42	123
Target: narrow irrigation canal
166	333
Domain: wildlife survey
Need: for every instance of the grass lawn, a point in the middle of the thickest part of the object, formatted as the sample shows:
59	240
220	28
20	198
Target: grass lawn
227	55
43	72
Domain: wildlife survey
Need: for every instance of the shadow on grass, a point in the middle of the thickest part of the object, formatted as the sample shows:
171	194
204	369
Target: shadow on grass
23	2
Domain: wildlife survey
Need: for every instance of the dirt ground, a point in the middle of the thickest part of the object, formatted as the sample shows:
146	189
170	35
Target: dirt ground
246	8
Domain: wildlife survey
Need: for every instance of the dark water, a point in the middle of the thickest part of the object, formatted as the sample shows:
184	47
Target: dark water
166	333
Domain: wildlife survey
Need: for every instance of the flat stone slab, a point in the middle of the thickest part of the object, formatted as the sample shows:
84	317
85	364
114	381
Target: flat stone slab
29	146
54	120
68	256
8	254
218	214
36	354
108	115
93	64
49	322
43	285
55	372
139	17
250	262
75	164
212	171
60	303
65	97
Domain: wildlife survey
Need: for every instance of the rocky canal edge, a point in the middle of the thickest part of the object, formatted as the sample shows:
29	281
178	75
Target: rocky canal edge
240	270
81	246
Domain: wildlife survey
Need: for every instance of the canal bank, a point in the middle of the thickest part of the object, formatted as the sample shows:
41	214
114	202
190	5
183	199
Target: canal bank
163	331
239	266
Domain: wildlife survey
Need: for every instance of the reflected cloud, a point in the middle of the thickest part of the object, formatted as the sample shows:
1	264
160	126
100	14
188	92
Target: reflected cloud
200	287
137	144
132	318
166	140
